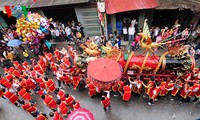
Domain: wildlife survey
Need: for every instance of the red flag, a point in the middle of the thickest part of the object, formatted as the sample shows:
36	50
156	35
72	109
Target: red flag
34	0
8	10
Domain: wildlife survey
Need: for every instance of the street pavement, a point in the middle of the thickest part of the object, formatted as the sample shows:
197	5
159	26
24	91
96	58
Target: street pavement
136	109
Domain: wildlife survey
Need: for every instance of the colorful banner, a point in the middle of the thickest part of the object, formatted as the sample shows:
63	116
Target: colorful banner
9	9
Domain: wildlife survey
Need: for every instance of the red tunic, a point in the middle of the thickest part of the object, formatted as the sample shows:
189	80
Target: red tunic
53	67
66	62
127	93
77	105
51	85
63	108
49	57
76	81
194	90
57	54
73	53
31	84
40	92
135	89
23	84
33	74
41	117
25	95
57	116
115	88
105	102
66	79
16	73
69	101
61	95
41	82
9	77
92	89
12	97
39	69
150	89
18	66
5	83
25	64
183	92
175	90
163	91
121	85
50	102
72	70
11	69
154	93
42	64
29	108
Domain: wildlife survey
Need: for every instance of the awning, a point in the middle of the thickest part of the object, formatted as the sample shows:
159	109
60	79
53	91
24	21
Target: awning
39	3
116	6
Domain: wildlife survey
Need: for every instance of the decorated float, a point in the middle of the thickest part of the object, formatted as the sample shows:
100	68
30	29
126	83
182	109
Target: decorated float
175	63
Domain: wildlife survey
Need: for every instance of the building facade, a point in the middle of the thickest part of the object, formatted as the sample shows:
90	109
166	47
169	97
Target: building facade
84	11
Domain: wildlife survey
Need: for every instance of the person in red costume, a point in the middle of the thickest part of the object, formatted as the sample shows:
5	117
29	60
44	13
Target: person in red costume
50	84
56	116
105	101
62	108
149	87
50	102
41	116
76	104
154	94
69	99
127	92
92	89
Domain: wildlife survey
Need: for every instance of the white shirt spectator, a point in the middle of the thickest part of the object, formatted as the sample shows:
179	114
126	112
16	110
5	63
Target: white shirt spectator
131	30
57	33
68	31
133	22
125	31
11	35
52	32
63	26
116	46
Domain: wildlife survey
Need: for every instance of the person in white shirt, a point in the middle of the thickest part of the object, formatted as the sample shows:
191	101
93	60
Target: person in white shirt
125	33
133	22
57	34
131	32
68	33
59	74
116	45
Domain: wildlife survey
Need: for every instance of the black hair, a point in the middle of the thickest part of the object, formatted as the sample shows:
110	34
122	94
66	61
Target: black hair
22	102
67	95
103	98
57	90
26	77
3	90
45	78
51	114
74	102
43	97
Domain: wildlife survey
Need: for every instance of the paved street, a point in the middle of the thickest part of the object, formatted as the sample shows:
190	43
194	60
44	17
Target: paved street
136	109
